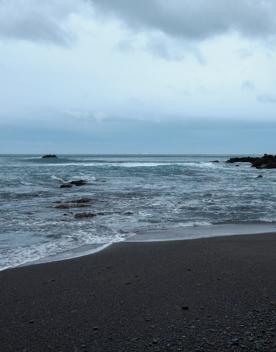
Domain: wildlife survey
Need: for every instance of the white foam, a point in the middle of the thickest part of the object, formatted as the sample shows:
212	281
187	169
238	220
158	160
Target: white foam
141	164
54	177
193	224
87	178
196	232
18	256
132	164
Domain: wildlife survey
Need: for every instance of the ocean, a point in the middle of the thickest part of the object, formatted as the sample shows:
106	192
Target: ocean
127	197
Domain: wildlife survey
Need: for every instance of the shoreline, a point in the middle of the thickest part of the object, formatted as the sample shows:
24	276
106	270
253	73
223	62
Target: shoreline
212	294
177	234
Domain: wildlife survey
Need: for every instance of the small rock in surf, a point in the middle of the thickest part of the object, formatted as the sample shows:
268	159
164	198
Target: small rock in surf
66	185
78	203
49	156
84	215
78	183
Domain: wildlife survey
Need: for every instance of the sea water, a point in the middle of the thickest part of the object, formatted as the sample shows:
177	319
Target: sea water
137	197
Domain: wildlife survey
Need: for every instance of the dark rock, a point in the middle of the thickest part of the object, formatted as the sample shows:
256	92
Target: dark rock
49	156
128	213
62	206
185	308
270	165
84	215
215	161
267	161
79	203
66	185
83	200
73	183
259	176
247	159
78	183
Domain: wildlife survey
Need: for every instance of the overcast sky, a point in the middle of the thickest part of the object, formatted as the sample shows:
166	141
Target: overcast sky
122	76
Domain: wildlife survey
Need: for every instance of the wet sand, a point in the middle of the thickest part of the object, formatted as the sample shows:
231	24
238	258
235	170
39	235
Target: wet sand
216	294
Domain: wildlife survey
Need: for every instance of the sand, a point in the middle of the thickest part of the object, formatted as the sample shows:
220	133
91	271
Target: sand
216	294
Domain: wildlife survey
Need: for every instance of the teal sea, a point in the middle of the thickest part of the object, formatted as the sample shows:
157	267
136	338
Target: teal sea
128	196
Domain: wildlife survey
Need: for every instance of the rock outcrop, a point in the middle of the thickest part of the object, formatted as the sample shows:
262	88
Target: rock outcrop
267	161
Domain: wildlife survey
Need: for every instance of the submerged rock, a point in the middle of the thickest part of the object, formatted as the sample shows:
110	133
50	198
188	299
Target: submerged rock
128	213
267	161
84	215
78	203
77	183
83	200
70	205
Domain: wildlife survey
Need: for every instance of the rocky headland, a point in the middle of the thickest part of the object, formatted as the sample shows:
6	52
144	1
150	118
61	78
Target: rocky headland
267	161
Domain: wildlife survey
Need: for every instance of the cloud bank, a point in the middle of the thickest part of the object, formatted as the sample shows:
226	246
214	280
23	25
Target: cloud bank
37	20
195	19
104	70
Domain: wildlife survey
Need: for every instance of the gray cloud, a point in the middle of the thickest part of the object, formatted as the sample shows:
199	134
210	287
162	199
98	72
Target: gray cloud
36	20
195	19
267	98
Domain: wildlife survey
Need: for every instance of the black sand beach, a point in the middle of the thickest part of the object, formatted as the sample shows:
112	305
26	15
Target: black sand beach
214	294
